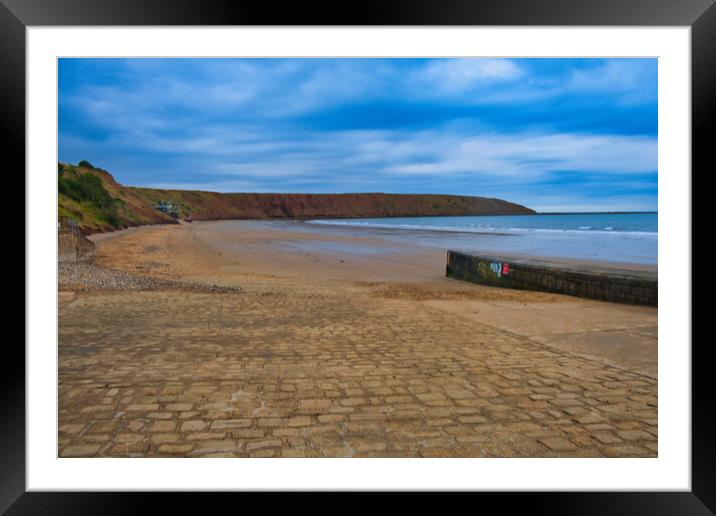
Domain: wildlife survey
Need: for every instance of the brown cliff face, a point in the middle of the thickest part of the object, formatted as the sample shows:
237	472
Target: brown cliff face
134	205
211	205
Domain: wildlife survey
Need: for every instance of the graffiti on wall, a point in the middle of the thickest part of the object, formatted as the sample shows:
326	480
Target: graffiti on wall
500	268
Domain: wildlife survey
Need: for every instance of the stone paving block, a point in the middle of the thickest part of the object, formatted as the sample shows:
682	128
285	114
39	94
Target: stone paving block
298	421
626	451
179	407
558	444
313	406
165	438
175	449
81	450
146	407
162	426
104	427
607	438
227	424
635	435
264	453
216	447
195	425
366	445
268	443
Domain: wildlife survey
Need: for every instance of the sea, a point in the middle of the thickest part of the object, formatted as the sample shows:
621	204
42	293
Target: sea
609	237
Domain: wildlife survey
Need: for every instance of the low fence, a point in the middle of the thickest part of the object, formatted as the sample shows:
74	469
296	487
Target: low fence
605	285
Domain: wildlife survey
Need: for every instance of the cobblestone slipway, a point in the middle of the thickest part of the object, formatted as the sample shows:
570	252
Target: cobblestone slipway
259	373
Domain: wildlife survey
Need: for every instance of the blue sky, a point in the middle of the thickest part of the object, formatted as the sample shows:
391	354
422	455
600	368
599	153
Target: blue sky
553	134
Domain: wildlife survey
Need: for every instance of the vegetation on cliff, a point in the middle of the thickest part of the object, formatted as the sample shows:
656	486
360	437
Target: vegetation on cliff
93	198
98	203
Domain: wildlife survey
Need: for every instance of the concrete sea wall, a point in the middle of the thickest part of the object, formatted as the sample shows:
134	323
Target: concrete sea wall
619	286
73	245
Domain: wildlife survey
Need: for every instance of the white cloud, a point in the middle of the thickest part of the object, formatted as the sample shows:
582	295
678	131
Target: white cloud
458	75
632	81
535	154
257	154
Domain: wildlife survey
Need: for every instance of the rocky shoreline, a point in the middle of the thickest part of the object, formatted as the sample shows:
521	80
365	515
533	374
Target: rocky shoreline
87	276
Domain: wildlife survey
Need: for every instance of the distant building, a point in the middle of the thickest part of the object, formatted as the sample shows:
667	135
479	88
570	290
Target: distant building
168	208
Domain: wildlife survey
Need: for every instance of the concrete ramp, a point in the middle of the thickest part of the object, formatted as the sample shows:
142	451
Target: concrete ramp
592	282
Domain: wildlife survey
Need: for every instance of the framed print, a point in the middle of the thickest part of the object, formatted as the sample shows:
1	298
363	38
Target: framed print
410	249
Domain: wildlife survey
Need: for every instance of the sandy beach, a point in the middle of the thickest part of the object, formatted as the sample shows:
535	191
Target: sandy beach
316	342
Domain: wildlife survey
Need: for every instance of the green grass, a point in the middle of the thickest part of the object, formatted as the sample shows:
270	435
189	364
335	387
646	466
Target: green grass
89	194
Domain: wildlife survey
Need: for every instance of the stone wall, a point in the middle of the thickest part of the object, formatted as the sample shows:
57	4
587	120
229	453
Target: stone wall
73	245
632	287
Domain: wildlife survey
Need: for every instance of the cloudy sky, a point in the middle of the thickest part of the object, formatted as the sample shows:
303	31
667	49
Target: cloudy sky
553	134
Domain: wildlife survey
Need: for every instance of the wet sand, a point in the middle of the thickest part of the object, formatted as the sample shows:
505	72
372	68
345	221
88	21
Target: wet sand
344	344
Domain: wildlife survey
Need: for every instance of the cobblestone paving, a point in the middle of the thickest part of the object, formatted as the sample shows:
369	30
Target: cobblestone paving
260	374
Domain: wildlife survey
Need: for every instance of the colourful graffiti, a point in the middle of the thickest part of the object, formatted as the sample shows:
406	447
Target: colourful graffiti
500	269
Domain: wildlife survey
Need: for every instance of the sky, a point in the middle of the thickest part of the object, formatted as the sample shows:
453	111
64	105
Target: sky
553	134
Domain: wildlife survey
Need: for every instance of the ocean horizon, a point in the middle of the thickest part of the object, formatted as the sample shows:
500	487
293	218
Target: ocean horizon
609	237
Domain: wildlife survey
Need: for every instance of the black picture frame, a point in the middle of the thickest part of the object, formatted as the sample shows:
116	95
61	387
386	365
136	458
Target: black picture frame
17	15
